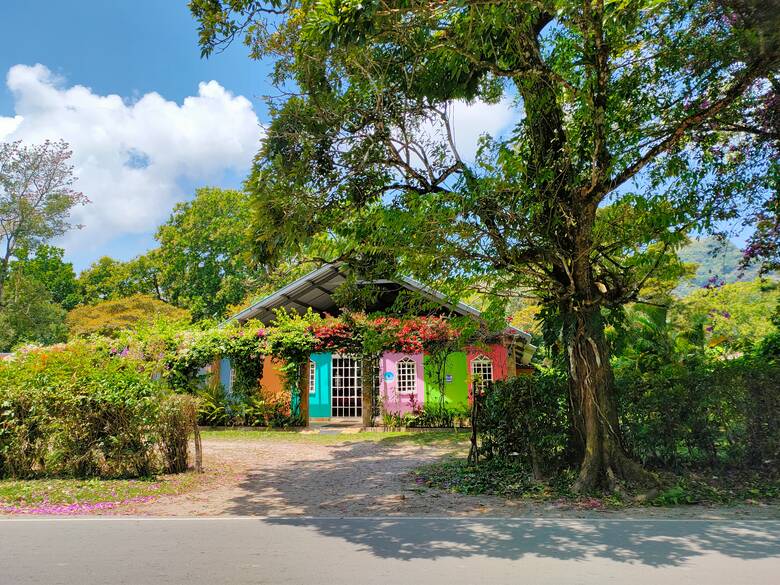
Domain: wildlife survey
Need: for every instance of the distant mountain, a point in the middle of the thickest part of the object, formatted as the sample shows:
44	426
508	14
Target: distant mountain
715	259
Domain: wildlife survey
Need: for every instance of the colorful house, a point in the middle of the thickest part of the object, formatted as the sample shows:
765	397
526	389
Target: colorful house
333	382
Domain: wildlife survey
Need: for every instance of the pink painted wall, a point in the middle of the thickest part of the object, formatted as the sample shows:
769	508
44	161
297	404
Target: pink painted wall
497	354
392	400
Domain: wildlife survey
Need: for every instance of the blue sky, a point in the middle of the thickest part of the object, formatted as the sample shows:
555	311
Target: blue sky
129	48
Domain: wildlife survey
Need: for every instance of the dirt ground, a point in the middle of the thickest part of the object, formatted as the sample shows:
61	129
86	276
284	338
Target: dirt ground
372	478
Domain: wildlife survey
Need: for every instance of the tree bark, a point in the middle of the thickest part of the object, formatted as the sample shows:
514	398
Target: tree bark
4	263
303	384
605	463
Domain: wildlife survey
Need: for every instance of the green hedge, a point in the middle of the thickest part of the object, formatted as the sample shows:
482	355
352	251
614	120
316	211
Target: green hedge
77	411
706	414
710	414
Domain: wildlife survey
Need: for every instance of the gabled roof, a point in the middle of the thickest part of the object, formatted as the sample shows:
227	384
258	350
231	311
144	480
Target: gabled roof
315	290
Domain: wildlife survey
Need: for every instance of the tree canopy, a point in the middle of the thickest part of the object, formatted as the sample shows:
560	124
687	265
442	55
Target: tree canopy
29	315
113	316
36	197
203	255
48	267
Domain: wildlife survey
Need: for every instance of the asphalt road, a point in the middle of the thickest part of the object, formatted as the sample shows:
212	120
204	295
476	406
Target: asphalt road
387	550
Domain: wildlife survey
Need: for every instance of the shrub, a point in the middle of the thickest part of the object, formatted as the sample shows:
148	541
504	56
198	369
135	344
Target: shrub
176	418
217	408
428	416
77	411
525	420
709	413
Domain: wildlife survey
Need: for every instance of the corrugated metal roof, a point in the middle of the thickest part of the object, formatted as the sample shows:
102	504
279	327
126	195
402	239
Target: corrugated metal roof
315	290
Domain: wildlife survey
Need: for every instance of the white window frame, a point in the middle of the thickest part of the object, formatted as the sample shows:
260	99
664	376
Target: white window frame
407	380
482	371
312	377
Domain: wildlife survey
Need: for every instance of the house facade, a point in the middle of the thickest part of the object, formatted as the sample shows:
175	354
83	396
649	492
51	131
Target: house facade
333	384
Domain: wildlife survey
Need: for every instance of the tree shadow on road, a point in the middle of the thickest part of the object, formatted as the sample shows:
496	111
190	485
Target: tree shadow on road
647	542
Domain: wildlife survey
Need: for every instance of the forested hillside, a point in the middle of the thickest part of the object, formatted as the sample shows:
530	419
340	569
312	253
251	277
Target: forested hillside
715	260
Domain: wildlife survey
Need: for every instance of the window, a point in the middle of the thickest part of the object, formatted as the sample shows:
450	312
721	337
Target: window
481	372
407	375
312	377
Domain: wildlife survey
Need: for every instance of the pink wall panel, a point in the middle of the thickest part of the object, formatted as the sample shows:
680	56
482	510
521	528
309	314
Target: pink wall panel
498	355
392	400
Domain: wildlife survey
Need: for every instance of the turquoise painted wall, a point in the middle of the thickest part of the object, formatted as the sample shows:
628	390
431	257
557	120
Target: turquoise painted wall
456	390
319	402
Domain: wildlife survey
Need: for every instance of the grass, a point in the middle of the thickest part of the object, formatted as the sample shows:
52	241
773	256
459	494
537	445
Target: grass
63	495
298	436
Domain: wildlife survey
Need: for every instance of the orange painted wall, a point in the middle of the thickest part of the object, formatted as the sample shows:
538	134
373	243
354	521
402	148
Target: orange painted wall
271	384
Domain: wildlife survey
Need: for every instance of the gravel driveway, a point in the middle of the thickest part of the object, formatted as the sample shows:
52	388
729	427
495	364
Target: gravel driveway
279	478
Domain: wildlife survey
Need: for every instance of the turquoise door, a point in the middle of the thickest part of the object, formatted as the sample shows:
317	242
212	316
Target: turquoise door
319	400
225	375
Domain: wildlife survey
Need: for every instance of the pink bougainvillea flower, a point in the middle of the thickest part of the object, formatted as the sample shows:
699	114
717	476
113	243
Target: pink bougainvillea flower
47	509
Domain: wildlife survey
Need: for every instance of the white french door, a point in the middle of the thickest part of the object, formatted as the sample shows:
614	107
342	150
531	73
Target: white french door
346	387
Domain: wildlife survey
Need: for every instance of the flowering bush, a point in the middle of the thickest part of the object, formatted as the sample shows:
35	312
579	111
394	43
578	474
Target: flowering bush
420	334
333	334
359	334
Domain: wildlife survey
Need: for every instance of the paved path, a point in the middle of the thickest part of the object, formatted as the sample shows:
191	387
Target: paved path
348	551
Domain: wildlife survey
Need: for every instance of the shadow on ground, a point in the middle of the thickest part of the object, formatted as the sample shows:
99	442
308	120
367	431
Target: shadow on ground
371	479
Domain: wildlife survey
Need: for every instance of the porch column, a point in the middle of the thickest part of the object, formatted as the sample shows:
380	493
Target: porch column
303	384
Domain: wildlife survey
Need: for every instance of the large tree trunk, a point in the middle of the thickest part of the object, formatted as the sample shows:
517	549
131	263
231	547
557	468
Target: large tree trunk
605	463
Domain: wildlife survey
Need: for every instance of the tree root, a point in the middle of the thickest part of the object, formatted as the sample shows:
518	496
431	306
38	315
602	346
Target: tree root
613	473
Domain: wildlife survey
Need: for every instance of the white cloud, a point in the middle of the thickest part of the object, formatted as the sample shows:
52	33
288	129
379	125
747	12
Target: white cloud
472	120
130	156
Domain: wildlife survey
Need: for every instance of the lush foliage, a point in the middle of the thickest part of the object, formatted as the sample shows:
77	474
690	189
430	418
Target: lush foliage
686	402
48	268
217	408
432	416
110	317
733	316
76	410
29	314
109	279
525	420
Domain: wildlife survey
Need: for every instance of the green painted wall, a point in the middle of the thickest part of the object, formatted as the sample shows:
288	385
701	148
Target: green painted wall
456	391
